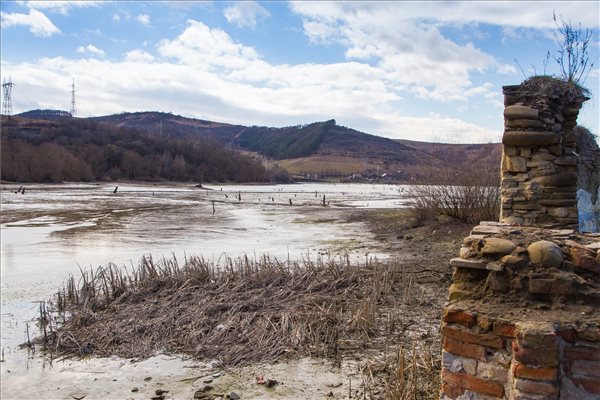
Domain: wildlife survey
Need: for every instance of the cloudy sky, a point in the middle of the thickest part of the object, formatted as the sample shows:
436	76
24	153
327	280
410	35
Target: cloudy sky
428	71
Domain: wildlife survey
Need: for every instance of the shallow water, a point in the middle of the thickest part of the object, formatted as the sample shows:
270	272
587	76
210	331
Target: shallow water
52	231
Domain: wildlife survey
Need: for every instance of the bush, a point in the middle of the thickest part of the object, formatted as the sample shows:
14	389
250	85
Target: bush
468	197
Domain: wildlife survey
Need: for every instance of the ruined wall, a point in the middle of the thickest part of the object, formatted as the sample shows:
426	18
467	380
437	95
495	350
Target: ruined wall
588	180
539	163
523	319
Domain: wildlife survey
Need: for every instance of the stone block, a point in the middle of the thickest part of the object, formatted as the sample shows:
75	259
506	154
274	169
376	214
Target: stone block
458	292
468	263
493	372
456	363
526	205
562	179
510	151
552	286
545	253
520	112
558	203
497	282
565	160
497	246
523	123
526	138
578	352
514	164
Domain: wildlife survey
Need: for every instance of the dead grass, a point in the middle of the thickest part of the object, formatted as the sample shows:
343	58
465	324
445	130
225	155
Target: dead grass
245	311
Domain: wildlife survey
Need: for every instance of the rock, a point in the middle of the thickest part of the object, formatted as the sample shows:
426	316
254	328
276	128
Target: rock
562	179
512	220
525	138
498	246
497	282
207	380
271	383
565	160
135	389
206	388
515	164
148	378
161	392
456	293
584	258
494	266
468	263
513	260
520	112
593	246
234	396
545	253
558	203
523	123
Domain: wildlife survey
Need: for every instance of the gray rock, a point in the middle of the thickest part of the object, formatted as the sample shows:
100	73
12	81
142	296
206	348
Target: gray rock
473	264
234	396
546	254
520	112
525	138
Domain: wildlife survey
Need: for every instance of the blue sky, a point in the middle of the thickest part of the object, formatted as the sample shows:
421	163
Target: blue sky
428	71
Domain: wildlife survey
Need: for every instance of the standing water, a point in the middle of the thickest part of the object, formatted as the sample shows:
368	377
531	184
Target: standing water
52	231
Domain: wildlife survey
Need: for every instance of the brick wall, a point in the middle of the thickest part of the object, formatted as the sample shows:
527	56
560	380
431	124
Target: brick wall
523	317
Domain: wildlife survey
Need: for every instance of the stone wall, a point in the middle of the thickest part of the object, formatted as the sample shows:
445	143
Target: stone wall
523	318
539	163
588	180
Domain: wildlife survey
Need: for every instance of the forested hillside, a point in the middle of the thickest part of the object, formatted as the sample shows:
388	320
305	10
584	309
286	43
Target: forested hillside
84	150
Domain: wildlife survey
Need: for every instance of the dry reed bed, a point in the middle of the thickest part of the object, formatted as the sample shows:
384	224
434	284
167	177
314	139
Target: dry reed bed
243	311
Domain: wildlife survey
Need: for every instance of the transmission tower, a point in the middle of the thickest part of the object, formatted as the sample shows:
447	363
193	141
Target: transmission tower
73	99
7	103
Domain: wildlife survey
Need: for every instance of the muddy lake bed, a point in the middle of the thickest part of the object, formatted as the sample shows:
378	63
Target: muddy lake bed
51	231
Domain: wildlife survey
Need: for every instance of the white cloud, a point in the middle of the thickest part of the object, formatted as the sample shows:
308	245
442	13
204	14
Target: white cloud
143	19
116	18
139	56
246	14
61	7
91	49
36	21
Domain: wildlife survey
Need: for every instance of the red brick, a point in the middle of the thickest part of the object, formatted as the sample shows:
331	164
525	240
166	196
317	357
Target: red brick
584	368
482	339
452	391
460	317
568	334
473	383
464	349
581	353
535	387
506	329
538	374
590	384
539	357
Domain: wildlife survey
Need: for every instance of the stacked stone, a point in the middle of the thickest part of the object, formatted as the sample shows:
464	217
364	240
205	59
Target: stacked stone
539	163
489	355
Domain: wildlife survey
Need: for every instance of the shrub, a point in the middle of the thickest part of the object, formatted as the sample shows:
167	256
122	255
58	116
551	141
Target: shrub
469	197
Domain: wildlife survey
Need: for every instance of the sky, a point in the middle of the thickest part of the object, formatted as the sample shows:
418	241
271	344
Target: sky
428	71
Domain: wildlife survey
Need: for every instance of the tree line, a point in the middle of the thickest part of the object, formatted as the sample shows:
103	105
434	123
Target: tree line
83	150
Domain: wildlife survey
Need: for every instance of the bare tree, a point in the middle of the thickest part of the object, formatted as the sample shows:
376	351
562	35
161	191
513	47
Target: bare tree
572	55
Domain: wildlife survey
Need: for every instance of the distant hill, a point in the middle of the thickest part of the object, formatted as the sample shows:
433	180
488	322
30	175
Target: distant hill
45	114
322	149
79	149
